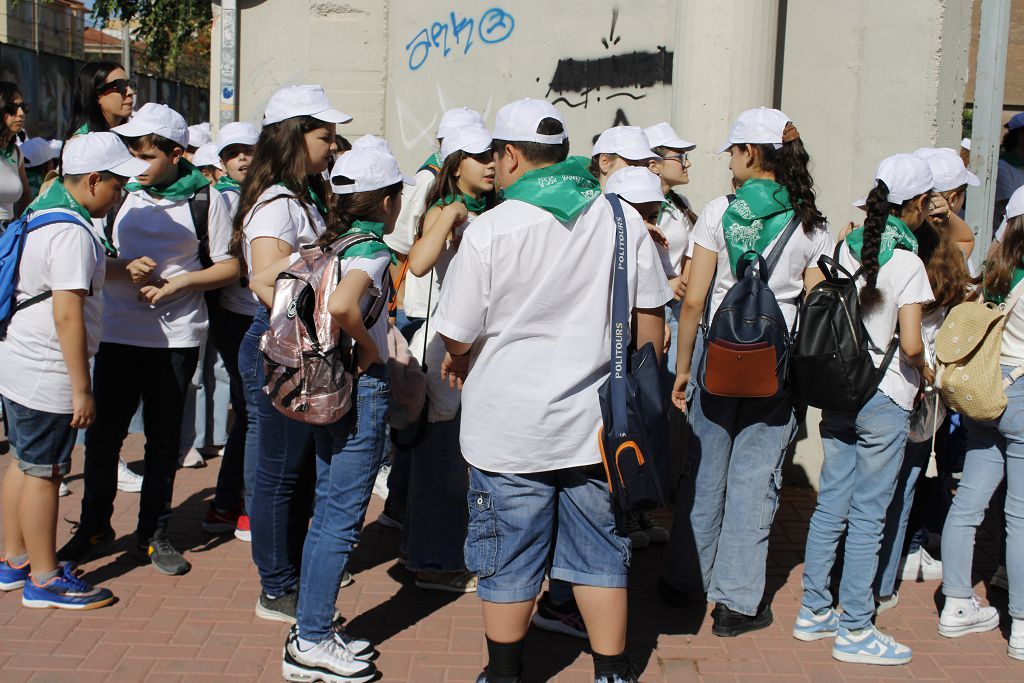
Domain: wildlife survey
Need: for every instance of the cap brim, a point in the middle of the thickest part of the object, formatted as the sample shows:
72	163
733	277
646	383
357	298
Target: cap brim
129	168
676	143
724	148
638	154
642	197
860	203
131	129
332	116
973	179
228	143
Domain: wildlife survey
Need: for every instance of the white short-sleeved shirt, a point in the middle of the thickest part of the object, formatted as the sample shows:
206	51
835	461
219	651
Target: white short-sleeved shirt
1012	350
279	214
419	291
58	257
1008	179
376	267
675	224
236	296
903	281
534	296
162	229
787	280
10	184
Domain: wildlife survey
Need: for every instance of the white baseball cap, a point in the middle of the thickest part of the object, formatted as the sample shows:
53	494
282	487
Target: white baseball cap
158	119
636	185
372	142
1015	122
454	119
302	100
966	144
664	135
906	176
762	126
629	142
1014	208
237	133
38	151
207	155
363	170
94	152
517	122
948	170
471	139
200	134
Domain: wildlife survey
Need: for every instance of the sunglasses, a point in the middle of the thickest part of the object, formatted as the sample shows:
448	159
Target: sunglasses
681	158
484	158
121	85
11	108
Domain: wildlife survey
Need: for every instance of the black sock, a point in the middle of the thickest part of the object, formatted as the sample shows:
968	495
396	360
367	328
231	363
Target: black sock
504	659
612	665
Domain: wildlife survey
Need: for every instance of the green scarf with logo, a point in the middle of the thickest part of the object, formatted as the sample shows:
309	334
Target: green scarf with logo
189	181
371	248
227	183
476	206
434	162
58	197
761	211
563	189
82	129
895	236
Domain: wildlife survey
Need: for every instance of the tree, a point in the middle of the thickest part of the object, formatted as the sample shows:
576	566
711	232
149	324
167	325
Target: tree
164	25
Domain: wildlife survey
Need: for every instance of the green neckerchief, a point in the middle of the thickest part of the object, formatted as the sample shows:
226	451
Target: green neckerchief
895	236
1018	275
35	181
189	181
371	248
10	152
226	182
58	197
563	189
1012	159
82	129
760	212
433	162
476	206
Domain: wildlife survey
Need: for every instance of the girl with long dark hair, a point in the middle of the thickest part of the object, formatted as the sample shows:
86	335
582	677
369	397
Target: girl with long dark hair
14	192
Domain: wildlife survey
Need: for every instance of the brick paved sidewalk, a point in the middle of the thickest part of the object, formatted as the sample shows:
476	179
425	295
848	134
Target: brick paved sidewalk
201	627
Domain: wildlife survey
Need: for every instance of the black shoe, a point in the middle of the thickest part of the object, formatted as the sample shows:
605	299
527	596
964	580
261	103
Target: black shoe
84	544
729	624
164	558
485	678
559	618
279	608
616	678
677	598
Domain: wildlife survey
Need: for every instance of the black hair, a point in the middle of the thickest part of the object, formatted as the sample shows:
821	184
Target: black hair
165	145
539	152
85	103
878	209
104	175
790	163
1013	139
8	89
342	142
348	208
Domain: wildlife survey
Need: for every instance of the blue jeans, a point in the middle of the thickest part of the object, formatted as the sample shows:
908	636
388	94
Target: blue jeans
278	501
205	421
995	448
436	517
668	361
228	329
863	456
41	442
346	466
733	479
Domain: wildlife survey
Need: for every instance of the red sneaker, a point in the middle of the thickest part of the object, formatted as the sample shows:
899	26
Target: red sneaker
242	532
217	522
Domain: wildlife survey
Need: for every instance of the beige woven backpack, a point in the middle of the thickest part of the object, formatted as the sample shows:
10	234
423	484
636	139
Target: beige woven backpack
967	350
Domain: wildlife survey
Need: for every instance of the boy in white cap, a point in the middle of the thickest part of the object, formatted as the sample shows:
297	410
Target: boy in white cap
619	147
52	333
530	413
171	246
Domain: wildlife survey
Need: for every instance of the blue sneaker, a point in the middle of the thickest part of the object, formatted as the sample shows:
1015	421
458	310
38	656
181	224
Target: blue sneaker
65	591
11	577
810	626
869	646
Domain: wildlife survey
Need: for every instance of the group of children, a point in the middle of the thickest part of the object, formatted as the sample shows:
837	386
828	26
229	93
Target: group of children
149	261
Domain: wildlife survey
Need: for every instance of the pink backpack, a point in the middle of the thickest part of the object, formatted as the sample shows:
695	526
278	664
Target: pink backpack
308	358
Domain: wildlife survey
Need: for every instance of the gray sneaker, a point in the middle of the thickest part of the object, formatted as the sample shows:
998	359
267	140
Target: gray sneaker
163	556
278	608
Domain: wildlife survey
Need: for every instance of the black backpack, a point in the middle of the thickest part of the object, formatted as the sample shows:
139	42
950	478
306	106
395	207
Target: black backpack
831	359
746	346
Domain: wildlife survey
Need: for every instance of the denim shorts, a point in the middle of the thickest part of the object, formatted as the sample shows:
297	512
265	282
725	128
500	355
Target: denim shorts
41	442
562	522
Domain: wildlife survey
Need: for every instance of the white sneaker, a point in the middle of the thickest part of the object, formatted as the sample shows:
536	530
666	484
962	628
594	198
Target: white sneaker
1016	647
328	661
885	604
127	481
869	646
920	566
632	528
961	616
380	484
360	648
191	458
999	579
63	490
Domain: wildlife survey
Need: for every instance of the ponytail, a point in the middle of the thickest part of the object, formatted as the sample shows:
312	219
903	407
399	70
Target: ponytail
790	164
878	208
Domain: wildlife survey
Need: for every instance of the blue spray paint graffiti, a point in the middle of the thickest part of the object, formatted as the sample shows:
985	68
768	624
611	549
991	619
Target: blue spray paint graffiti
494	26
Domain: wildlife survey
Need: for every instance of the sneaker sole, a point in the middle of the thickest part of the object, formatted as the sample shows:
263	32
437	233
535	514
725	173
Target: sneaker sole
12	586
270	615
129	488
245	536
555	626
1015	652
980	627
346	580
811	636
48	604
869	659
430	586
176	572
749	627
300	673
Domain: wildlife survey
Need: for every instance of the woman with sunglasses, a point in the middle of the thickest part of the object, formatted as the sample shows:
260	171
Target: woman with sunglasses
104	97
14	194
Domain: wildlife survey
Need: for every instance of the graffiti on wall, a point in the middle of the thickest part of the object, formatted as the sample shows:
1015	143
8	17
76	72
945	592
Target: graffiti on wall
442	38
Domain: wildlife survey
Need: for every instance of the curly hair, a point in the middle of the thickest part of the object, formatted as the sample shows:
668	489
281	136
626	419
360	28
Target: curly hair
790	164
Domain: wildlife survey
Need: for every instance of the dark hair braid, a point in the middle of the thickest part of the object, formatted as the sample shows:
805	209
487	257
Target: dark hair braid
878	208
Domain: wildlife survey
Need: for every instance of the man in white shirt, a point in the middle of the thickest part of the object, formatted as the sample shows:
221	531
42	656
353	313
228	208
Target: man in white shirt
525	312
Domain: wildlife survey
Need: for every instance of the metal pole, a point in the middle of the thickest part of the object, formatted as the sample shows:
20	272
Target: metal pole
988	109
228	61
126	47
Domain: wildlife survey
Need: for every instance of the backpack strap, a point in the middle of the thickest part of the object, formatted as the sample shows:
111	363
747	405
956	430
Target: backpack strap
42	221
776	253
199	207
620	320
705	317
403	271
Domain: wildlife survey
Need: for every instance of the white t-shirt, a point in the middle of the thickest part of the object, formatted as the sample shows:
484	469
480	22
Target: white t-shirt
675	225
1012	350
279	214
419	291
236	296
162	229
903	281
10	184
534	296
1008	179
787	280
376	267
62	256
